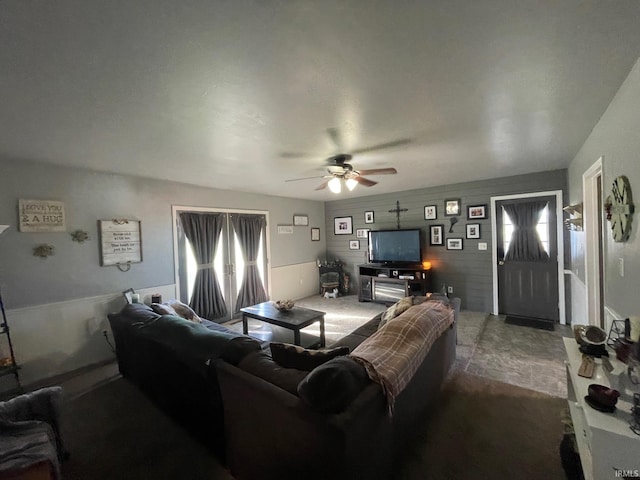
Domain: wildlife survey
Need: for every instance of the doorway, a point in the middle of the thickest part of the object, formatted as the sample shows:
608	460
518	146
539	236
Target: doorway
594	250
529	287
229	262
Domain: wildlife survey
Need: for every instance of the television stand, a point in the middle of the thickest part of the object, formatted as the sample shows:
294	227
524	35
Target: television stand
389	283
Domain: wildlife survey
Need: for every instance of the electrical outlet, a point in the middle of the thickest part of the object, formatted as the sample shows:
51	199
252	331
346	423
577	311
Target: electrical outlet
449	289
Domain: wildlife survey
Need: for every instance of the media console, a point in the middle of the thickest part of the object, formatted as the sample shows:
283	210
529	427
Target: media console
389	283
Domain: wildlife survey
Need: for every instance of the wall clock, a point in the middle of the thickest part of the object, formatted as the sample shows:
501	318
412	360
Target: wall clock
620	208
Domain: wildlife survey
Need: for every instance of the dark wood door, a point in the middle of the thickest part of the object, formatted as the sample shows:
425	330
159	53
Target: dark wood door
529	288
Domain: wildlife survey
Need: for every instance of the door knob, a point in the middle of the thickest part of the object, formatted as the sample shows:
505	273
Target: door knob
501	262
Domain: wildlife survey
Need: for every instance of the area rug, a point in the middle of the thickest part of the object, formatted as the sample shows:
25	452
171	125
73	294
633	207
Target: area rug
484	428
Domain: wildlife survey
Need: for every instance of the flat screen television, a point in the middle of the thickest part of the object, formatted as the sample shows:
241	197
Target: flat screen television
395	246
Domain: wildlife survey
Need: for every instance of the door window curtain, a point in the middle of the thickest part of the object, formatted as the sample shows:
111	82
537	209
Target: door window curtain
248	229
525	245
203	231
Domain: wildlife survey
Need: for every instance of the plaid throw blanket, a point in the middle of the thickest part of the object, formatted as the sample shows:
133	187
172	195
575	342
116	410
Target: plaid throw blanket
393	354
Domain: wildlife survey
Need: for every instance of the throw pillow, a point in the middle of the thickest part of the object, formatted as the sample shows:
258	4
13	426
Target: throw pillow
184	310
292	356
162	309
396	309
332	387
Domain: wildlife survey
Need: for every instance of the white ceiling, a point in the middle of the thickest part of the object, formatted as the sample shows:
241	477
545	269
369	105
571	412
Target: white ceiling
240	94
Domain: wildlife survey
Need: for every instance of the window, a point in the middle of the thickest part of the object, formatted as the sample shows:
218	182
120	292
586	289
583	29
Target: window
542	228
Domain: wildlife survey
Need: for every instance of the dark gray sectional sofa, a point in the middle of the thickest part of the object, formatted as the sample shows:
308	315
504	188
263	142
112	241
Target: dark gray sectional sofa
227	391
273	433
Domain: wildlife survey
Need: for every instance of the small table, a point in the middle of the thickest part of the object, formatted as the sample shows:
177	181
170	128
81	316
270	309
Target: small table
295	319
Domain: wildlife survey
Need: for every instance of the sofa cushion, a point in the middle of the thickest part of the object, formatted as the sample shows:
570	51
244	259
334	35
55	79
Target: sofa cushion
262	365
137	312
194	343
293	356
332	386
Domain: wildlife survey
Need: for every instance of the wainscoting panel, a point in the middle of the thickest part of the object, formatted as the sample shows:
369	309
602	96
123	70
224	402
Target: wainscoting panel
294	281
56	338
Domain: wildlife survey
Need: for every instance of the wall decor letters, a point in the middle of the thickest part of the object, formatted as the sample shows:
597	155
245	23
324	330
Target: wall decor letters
41	216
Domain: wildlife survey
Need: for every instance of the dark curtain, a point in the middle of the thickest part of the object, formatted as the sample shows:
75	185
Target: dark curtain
248	229
525	245
203	231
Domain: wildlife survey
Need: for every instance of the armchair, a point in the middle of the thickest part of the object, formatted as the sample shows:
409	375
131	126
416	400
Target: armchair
31	446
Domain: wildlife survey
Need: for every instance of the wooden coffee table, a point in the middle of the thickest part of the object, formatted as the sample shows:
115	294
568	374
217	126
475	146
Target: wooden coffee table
295	319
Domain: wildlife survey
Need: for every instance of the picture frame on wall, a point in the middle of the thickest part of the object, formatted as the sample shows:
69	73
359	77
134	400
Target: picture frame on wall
436	235
128	295
430	212
343	225
473	230
476	212
452	207
315	234
354	244
454	244
300	220
362	233
368	217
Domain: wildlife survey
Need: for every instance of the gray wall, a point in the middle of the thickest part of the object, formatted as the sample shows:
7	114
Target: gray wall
616	138
469	270
75	272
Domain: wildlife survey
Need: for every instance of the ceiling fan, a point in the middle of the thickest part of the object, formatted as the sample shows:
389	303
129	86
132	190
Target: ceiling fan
340	172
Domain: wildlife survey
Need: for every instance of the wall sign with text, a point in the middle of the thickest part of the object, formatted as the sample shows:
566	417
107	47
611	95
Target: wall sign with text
120	242
41	216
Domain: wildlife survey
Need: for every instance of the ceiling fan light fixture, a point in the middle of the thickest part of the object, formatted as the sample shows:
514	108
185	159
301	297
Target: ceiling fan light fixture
334	185
351	183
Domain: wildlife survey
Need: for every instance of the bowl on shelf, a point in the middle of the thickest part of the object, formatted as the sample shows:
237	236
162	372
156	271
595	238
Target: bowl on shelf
284	305
593	335
603	395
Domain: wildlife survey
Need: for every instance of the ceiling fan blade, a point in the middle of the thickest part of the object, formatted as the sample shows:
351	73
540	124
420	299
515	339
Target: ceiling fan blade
382	146
297	155
322	185
378	171
336	138
307	178
365	182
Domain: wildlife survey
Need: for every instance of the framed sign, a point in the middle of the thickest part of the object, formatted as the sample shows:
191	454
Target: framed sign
315	234
285	229
41	216
120	242
300	220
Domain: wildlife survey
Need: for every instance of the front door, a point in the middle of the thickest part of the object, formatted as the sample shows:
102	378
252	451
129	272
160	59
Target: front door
528	288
